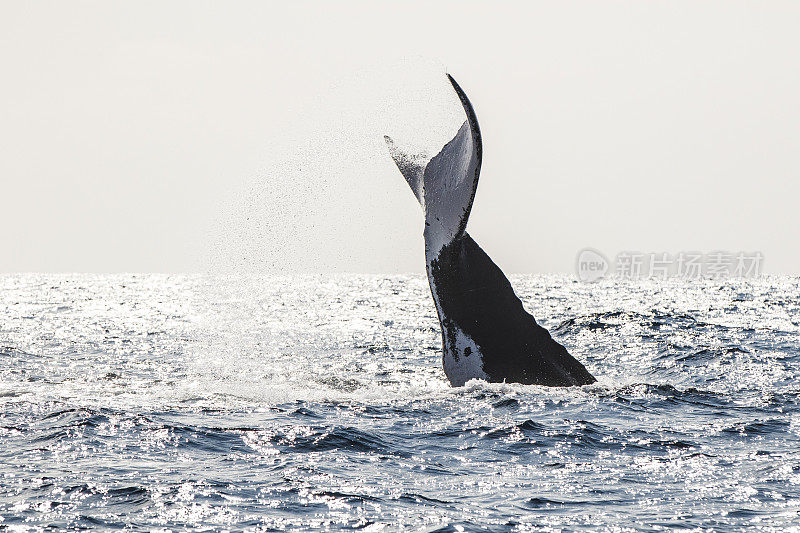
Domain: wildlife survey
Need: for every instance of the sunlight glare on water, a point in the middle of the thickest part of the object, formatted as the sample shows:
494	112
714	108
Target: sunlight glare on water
148	401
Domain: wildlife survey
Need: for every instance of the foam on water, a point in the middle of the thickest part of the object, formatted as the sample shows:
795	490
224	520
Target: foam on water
179	402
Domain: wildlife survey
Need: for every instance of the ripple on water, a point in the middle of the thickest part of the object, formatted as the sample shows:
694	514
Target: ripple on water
183	402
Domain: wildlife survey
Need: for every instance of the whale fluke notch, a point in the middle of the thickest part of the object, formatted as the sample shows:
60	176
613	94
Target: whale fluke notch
486	332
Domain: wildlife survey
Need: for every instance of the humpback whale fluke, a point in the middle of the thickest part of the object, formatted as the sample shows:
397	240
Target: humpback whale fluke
486	332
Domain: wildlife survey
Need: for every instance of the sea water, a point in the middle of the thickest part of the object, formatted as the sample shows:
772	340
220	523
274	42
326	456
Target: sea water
175	402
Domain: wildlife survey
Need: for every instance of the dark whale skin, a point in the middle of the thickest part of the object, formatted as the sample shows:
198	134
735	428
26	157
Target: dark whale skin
476	297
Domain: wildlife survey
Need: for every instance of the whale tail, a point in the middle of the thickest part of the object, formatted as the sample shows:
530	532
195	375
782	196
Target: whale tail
445	185
486	332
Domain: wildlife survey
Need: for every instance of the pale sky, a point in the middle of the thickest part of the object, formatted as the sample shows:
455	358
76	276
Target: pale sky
178	136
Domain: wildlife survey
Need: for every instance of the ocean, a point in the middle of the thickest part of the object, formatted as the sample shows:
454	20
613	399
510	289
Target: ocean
192	402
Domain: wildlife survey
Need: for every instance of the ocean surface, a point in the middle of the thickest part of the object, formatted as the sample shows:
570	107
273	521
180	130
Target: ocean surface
156	402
